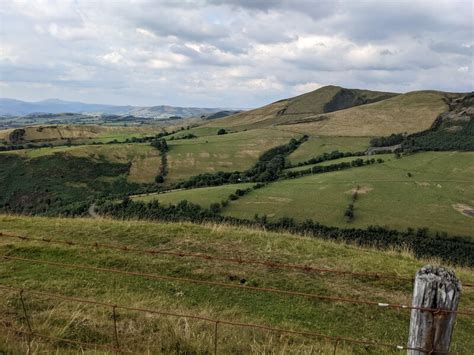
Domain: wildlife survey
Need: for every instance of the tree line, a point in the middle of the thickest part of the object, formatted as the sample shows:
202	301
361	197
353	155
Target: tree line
319	169
268	168
162	146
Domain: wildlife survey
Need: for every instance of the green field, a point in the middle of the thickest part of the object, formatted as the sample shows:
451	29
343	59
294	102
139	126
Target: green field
140	332
203	196
229	152
434	196
385	157
315	146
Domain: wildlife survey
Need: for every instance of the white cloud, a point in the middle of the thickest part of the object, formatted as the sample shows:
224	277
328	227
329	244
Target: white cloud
229	53
112	57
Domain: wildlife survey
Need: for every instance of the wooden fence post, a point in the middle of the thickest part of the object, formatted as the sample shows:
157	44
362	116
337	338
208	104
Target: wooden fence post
437	288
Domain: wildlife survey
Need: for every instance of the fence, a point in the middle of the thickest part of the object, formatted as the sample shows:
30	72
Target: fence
216	322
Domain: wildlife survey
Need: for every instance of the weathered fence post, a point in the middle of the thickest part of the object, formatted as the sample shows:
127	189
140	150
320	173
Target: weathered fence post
439	289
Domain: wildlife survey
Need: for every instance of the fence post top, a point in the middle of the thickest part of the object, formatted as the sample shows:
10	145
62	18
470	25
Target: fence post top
440	275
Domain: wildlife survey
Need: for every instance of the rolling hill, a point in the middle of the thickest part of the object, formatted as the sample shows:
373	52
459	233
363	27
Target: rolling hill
290	183
335	111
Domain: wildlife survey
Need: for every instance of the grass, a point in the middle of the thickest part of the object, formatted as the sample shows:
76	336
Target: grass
203	196
388	196
411	112
229	152
144	160
142	333
385	157
82	133
317	145
293	109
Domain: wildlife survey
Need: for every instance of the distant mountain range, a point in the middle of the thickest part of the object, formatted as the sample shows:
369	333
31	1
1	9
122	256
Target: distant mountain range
12	107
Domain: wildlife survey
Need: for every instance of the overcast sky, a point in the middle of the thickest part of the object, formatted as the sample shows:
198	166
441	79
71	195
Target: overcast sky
236	53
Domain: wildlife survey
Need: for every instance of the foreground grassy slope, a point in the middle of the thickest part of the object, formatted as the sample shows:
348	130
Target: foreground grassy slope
438	195
229	152
140	332
144	160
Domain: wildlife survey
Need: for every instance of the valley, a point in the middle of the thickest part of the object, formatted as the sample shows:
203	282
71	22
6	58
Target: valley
337	179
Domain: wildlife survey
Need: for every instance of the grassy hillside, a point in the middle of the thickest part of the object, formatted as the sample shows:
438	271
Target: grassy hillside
381	115
38	181
145	332
412	112
52	133
433	196
323	100
144	160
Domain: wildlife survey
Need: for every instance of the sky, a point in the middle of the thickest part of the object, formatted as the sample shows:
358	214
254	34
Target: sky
235	53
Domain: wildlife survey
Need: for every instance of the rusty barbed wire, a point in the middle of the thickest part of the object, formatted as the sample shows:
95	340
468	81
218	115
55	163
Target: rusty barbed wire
51	338
211	320
241	287
270	264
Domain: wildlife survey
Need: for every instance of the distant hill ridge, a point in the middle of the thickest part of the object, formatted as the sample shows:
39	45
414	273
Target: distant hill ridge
337	111
12	107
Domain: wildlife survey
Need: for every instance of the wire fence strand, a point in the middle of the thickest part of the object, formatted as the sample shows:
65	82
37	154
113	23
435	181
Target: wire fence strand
210	320
240	287
180	254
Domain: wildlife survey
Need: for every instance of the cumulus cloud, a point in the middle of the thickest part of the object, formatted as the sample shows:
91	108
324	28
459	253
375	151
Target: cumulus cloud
233	53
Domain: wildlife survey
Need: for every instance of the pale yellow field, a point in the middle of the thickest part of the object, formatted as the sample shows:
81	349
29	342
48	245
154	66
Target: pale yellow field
412	112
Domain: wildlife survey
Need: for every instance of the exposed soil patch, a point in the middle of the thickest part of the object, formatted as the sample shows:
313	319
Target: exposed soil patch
360	190
423	183
279	199
464	209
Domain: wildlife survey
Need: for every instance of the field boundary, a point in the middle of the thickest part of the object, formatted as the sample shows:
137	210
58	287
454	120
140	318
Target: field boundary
216	322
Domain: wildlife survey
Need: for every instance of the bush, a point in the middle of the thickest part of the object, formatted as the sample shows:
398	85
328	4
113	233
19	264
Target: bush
221	131
215	207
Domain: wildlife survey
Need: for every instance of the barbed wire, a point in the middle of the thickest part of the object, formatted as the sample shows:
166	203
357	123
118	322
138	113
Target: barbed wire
75	342
270	264
208	319
241	287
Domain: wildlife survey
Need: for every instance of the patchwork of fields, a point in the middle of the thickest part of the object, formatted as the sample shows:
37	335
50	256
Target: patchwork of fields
215	280
230	152
387	196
